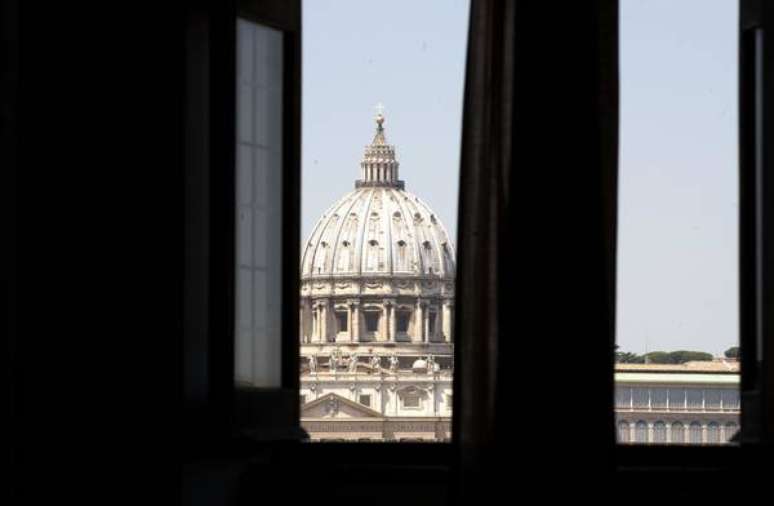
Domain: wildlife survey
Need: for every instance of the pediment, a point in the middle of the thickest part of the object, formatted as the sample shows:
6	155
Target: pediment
335	406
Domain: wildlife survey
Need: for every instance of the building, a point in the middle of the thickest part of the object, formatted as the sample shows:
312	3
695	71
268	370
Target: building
691	403
377	296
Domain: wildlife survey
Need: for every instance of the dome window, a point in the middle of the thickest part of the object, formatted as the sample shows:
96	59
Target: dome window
427	245
396	214
417	217
342	320
372	242
404	317
431	317
371	321
345	244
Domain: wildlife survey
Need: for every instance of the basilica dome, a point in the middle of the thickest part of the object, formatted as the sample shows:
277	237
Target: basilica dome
379	229
376	311
378	268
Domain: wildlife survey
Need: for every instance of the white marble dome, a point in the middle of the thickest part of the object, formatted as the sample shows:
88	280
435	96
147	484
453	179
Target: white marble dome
379	228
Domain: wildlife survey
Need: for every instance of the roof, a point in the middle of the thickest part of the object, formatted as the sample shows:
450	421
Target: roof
716	372
714	366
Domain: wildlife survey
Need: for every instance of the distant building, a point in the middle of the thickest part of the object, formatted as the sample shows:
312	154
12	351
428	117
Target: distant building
377	296
691	403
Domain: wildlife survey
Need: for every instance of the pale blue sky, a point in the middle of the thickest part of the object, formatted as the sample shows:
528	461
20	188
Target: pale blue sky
678	186
678	203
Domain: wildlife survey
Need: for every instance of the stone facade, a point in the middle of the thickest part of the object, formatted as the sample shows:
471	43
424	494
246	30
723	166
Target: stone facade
693	403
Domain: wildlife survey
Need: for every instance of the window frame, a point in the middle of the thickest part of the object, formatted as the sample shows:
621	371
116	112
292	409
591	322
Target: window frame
221	409
756	282
215	354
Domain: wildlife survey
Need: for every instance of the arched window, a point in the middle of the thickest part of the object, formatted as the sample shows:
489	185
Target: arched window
678	433
641	432
372	258
345	257
402	260
731	429
321	258
713	433
694	433
659	432
623	431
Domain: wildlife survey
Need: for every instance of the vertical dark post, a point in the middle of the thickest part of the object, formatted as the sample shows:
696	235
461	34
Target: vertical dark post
756	255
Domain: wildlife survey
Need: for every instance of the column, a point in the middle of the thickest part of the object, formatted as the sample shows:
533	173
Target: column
384	323
426	324
323	321
448	323
418	325
351	318
301	335
355	322
315	323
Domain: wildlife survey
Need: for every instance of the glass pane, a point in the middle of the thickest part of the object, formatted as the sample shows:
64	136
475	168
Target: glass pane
379	209
677	279
259	205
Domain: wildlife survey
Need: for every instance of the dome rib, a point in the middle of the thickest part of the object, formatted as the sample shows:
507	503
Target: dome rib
360	247
337	240
433	228
408	218
387	221
382	194
387	231
310	248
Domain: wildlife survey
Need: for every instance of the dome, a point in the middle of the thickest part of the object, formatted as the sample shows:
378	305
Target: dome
419	364
379	228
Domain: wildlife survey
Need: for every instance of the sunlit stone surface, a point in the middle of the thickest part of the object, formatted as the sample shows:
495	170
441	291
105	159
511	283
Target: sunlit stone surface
377	298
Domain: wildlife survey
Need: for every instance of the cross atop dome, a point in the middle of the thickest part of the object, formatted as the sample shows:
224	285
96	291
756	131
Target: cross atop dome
379	138
379	166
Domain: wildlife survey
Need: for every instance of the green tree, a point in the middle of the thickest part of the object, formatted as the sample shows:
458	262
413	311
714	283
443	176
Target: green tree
659	357
683	356
677	357
626	357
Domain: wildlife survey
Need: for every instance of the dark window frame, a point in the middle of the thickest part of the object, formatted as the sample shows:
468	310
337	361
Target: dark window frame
213	280
696	464
217	409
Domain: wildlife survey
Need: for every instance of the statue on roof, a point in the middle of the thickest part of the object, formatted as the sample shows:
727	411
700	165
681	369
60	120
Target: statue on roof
353	359
376	364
